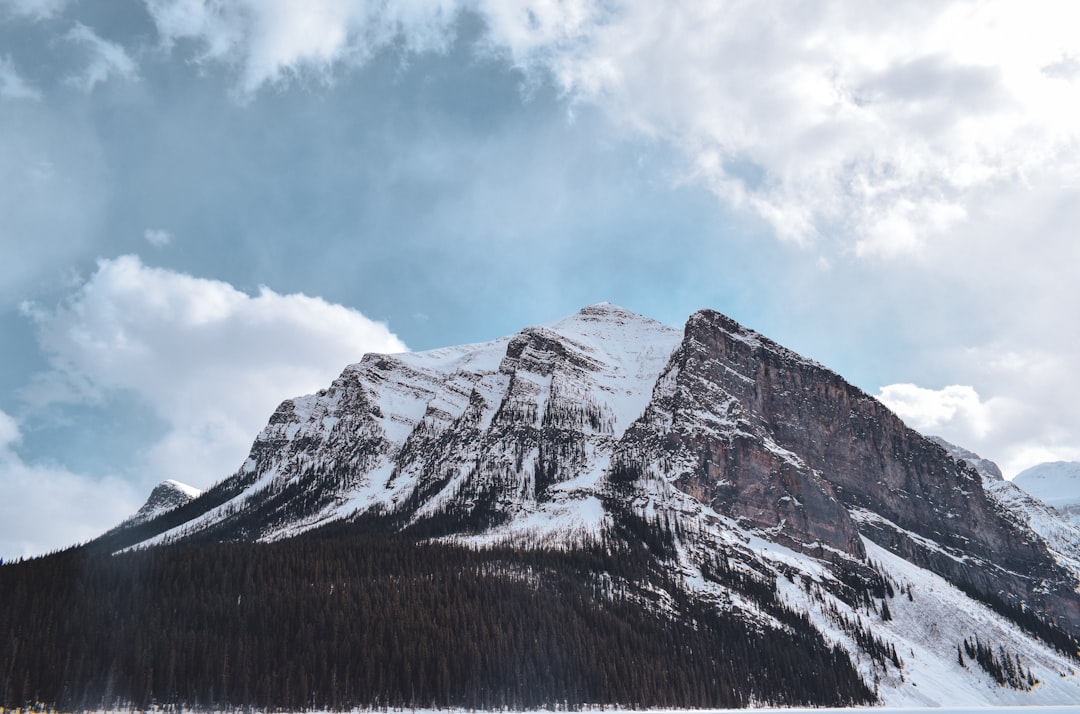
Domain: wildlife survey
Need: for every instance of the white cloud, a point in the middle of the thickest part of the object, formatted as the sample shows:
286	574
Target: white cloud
9	431
873	124
947	411
275	40
12	85
1030	418
45	507
34	9
211	361
107	59
157	237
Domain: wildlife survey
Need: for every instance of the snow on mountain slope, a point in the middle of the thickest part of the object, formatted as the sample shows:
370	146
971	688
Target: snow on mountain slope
1057	529
928	628
166	496
537	414
771	476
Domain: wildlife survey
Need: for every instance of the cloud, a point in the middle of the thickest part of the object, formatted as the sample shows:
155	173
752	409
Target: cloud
872	125
157	237
45	507
1030	417
211	361
273	41
952	409
12	85
1067	68
34	9
107	59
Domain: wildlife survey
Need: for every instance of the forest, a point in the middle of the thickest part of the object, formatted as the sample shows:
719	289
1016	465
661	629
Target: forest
349	617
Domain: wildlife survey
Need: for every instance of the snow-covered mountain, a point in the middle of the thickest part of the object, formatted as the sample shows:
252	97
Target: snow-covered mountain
166	496
739	463
1055	483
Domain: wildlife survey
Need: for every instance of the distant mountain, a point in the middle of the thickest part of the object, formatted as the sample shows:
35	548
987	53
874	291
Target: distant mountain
599	510
166	496
1056	483
986	468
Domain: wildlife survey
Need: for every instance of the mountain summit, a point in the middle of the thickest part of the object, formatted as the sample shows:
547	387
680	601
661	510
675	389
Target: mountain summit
166	496
706	476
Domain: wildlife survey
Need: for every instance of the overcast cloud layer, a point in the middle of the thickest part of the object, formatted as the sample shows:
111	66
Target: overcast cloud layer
890	187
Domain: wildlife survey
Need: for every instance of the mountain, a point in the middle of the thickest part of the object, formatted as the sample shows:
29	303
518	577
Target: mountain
166	496
704	516
1056	528
986	468
1056	483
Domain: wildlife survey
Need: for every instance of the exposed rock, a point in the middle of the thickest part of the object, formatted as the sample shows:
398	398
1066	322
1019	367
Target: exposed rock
986	468
166	496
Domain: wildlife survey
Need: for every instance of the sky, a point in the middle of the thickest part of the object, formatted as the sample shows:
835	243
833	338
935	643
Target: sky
208	206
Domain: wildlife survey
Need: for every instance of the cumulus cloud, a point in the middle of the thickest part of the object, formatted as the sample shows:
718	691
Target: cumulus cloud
106	59
45	507
211	361
952	409
1029	417
875	124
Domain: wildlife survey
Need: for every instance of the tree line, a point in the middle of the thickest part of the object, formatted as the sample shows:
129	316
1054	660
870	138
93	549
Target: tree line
345	618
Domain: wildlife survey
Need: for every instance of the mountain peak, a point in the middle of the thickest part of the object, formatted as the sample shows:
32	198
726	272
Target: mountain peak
605	308
606	313
738	464
166	496
986	468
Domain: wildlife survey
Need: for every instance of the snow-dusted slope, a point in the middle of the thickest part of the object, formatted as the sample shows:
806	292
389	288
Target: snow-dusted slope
166	496
513	435
1058	531
761	466
986	468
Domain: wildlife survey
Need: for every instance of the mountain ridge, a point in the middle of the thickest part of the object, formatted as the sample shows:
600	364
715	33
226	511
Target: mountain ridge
758	484
526	427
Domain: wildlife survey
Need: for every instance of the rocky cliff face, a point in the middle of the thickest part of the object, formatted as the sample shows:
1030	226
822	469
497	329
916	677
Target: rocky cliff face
907	493
786	446
729	444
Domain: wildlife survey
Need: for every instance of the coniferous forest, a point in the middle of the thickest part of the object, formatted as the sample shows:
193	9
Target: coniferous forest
345	618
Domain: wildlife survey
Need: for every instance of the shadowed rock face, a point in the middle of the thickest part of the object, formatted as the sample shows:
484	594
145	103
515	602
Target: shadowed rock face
898	482
709	442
